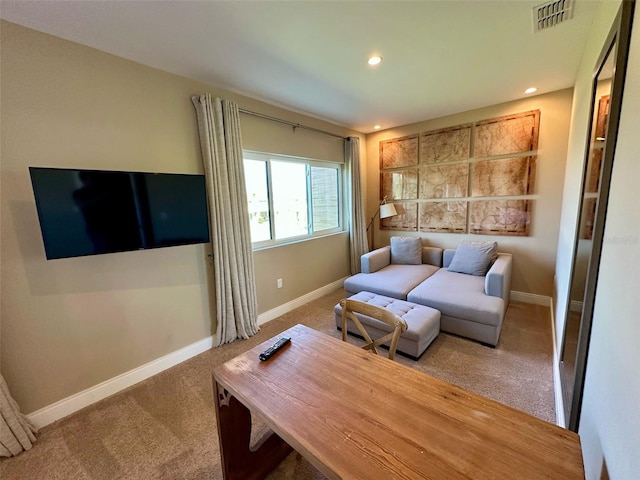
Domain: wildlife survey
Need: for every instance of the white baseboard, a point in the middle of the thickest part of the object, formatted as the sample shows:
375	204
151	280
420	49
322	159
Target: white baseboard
298	302
51	413
557	385
69	405
530	298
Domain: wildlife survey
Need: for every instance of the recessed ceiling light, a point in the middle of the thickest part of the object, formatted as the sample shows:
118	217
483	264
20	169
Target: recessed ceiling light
376	127
374	60
531	90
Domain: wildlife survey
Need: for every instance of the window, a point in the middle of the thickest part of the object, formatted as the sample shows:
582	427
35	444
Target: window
291	198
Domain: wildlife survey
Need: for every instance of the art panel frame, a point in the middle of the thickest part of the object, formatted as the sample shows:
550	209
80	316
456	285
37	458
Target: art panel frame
443	181
443	217
446	145
399	152
499	177
406	220
507	135
399	184
500	217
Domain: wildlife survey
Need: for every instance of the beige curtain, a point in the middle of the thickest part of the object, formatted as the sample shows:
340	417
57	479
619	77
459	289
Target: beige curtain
16	431
235	289
357	224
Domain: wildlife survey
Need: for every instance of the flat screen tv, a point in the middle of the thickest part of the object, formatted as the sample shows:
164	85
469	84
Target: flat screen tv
91	212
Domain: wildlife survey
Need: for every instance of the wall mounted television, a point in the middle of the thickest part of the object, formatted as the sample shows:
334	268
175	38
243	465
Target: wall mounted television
91	212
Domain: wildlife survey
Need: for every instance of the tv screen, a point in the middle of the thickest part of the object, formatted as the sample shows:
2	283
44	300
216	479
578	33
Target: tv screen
90	212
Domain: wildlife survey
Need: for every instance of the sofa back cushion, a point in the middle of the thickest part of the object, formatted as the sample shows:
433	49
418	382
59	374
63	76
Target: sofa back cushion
406	251
474	258
432	256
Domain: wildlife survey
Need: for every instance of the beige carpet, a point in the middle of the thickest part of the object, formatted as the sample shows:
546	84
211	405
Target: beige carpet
164	427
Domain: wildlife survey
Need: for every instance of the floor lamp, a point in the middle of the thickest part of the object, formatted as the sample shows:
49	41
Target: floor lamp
385	210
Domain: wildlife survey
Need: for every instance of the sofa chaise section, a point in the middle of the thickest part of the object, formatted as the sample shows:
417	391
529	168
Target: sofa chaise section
471	306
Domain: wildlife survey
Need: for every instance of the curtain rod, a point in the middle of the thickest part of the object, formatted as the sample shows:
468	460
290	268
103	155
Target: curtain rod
294	125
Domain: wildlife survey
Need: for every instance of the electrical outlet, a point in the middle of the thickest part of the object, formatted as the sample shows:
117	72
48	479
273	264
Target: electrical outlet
279	283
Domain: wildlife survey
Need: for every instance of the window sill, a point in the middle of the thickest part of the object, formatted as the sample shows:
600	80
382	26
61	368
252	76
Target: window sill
298	240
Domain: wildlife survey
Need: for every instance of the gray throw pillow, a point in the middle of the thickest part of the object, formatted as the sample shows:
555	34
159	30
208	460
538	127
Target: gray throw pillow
474	258
406	250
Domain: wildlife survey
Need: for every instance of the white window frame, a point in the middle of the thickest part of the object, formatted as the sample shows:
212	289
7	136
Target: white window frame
339	167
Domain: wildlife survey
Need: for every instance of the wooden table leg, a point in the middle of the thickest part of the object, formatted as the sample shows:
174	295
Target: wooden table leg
239	462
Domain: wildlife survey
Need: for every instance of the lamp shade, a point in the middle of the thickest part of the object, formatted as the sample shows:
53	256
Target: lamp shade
388	210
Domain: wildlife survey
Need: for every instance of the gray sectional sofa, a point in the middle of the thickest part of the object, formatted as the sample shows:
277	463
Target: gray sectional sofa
471	306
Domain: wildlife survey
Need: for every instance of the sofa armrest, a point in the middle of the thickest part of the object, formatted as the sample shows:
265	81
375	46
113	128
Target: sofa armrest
432	256
375	260
497	282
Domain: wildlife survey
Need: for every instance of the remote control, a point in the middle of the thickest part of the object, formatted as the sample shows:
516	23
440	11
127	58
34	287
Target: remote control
268	353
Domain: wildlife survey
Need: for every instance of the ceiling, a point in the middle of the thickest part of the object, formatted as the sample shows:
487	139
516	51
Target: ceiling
439	57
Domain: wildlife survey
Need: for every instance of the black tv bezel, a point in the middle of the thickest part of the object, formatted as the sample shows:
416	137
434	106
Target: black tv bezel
39	210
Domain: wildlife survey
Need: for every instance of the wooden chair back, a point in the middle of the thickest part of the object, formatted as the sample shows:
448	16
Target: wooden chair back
351	307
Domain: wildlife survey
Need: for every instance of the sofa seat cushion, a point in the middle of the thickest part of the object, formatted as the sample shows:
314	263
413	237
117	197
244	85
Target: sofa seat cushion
392	281
423	322
459	295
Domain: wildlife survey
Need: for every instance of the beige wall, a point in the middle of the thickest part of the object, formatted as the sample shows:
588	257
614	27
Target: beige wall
313	267
70	324
534	256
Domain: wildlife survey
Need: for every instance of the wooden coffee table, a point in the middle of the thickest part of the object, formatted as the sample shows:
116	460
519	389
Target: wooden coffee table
356	415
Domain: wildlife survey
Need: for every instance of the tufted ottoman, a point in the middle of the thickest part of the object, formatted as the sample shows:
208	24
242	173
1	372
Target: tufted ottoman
423	322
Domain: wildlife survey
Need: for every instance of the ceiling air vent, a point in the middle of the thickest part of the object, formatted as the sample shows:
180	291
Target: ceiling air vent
551	14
